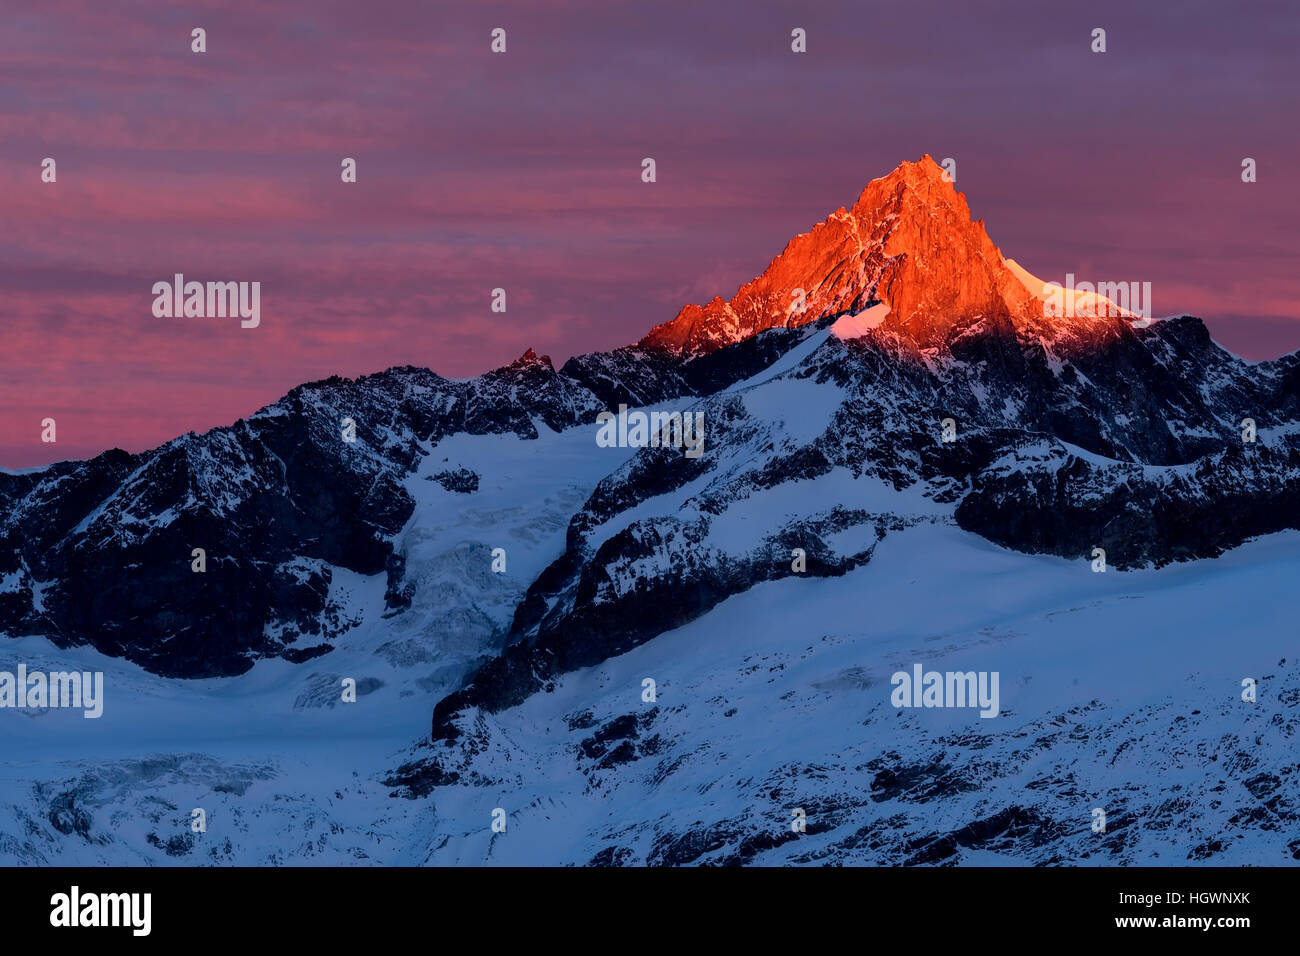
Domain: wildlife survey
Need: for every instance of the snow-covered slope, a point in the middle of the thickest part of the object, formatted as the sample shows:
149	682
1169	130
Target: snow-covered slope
285	770
1118	691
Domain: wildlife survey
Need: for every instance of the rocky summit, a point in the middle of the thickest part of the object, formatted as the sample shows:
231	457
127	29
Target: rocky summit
908	242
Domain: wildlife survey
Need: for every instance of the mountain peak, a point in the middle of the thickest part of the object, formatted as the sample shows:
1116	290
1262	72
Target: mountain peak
908	242
925	168
531	358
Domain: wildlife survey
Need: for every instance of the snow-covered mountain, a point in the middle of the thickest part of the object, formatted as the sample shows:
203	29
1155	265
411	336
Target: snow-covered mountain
906	460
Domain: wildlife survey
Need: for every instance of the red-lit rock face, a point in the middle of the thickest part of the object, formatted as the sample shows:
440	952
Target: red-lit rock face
908	242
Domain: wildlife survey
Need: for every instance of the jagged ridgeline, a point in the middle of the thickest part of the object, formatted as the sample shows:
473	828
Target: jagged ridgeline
843	358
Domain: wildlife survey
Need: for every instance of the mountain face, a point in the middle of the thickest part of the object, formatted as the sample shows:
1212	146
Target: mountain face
100	552
825	447
908	241
1135	448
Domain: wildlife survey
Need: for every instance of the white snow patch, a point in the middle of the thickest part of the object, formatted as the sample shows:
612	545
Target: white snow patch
852	326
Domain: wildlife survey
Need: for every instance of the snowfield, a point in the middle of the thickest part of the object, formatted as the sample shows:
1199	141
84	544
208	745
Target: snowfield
776	699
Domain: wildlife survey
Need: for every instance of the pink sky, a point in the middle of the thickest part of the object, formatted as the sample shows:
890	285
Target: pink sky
522	171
